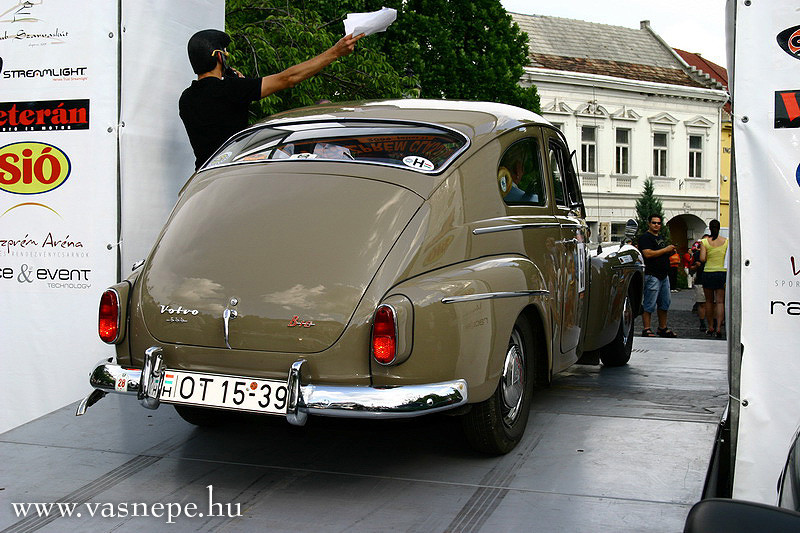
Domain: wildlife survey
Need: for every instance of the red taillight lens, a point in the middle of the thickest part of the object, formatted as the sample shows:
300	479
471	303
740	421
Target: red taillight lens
384	335
108	321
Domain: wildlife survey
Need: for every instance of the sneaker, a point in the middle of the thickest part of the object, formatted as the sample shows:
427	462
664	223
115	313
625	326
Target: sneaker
703	325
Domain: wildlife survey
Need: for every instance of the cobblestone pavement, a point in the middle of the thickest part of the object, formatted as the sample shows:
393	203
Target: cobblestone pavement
681	319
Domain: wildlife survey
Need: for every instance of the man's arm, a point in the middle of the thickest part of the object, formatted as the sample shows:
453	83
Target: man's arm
649	253
302	71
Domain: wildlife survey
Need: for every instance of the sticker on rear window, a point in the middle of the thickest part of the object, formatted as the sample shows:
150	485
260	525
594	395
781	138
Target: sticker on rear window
221	158
415	161
303	156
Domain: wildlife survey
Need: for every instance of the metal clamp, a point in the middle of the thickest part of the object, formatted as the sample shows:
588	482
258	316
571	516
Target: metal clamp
743	403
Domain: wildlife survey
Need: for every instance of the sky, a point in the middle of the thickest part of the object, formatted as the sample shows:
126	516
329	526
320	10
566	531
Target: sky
692	25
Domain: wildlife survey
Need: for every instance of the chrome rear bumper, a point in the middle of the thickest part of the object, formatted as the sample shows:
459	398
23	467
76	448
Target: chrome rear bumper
325	400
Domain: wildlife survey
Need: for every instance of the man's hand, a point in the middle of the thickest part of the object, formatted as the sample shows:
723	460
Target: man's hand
345	45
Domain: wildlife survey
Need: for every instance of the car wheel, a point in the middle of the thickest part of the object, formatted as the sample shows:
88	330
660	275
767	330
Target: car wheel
200	416
618	351
496	425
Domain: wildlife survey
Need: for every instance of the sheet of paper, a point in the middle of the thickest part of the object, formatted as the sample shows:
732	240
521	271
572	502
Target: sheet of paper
369	23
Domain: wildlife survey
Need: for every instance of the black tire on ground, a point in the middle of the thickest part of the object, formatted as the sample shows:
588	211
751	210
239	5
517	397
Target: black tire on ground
618	351
202	417
496	425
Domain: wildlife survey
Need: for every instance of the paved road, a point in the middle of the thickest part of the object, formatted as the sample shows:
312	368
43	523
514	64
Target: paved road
680	319
606	449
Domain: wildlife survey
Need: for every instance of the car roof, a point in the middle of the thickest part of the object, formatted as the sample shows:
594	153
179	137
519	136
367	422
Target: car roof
479	121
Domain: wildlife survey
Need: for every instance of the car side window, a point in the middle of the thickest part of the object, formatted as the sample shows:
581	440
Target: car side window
519	174
557	174
568	192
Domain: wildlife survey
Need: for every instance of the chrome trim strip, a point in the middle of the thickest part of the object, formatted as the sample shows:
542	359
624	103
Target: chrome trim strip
403	401
510	227
492	296
348	401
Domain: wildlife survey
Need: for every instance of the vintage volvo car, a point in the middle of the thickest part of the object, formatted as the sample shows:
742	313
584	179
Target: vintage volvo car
375	259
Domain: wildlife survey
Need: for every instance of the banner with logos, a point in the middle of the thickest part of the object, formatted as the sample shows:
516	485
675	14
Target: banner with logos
766	97
58	197
92	156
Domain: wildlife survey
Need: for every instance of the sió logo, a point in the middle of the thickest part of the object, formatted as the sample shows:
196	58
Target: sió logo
32	167
789	41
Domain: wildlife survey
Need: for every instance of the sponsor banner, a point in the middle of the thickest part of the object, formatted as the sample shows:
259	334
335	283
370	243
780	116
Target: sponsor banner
48	115
766	109
58	197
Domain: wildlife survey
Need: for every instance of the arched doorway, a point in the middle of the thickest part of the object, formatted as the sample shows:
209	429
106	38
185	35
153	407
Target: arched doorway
684	230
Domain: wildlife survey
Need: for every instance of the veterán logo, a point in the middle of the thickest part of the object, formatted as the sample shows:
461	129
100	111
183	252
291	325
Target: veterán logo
789	41
787	109
32	167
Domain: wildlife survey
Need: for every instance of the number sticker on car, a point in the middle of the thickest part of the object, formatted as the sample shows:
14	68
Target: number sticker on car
228	392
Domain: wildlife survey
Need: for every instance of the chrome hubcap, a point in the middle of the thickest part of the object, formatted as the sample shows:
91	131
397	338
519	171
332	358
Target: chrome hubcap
627	319
512	383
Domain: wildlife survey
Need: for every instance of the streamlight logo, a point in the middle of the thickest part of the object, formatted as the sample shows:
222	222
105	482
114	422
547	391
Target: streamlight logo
789	41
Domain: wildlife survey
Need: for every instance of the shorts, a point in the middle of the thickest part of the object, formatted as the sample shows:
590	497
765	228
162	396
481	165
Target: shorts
656	292
714	280
699	295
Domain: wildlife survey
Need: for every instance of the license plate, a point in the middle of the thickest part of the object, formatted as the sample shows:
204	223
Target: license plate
227	392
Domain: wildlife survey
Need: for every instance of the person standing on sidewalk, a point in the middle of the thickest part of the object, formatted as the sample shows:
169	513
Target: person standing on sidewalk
712	254
656	254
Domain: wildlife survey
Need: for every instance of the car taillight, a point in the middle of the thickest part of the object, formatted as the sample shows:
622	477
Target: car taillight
108	320
384	335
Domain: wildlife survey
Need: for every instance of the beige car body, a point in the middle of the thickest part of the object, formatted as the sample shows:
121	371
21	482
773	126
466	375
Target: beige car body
326	243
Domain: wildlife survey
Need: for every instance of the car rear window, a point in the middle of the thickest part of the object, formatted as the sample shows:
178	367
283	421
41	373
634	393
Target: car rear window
418	147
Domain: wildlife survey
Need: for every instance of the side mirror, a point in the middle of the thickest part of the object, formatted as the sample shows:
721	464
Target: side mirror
631	227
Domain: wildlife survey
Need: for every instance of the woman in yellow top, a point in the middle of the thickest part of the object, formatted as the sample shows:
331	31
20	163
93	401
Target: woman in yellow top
712	253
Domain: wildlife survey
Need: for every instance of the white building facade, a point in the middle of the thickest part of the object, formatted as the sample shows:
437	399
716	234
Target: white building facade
626	130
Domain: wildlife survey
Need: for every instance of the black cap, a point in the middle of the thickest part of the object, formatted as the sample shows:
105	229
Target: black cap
200	47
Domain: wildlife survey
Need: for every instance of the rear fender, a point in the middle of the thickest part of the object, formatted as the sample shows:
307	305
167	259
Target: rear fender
463	317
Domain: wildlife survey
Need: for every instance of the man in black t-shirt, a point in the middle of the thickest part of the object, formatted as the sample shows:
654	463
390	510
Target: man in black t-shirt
215	106
656	254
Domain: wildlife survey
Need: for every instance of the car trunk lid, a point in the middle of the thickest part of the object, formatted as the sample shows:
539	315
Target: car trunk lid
287	257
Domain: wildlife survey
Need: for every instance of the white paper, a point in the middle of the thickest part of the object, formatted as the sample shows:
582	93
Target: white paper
369	23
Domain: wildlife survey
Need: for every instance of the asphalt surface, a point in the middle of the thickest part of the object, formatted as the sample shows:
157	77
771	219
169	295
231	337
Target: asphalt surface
622	450
680	319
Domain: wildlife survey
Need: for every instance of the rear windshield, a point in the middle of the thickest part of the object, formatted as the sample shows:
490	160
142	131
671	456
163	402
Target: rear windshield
419	147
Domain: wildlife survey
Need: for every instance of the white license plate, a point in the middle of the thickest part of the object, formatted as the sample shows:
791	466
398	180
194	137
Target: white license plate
228	392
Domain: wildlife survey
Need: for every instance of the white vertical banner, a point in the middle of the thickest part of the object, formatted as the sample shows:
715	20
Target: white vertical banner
766	93
155	156
58	198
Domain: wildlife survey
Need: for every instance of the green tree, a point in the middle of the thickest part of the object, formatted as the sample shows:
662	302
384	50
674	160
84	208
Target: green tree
649	204
458	49
453	49
269	36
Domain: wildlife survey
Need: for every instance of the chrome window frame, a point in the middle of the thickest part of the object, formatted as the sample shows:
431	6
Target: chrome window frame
278	124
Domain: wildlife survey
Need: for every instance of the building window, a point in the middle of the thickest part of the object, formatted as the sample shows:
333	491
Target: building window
660	154
623	151
588	149
695	156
